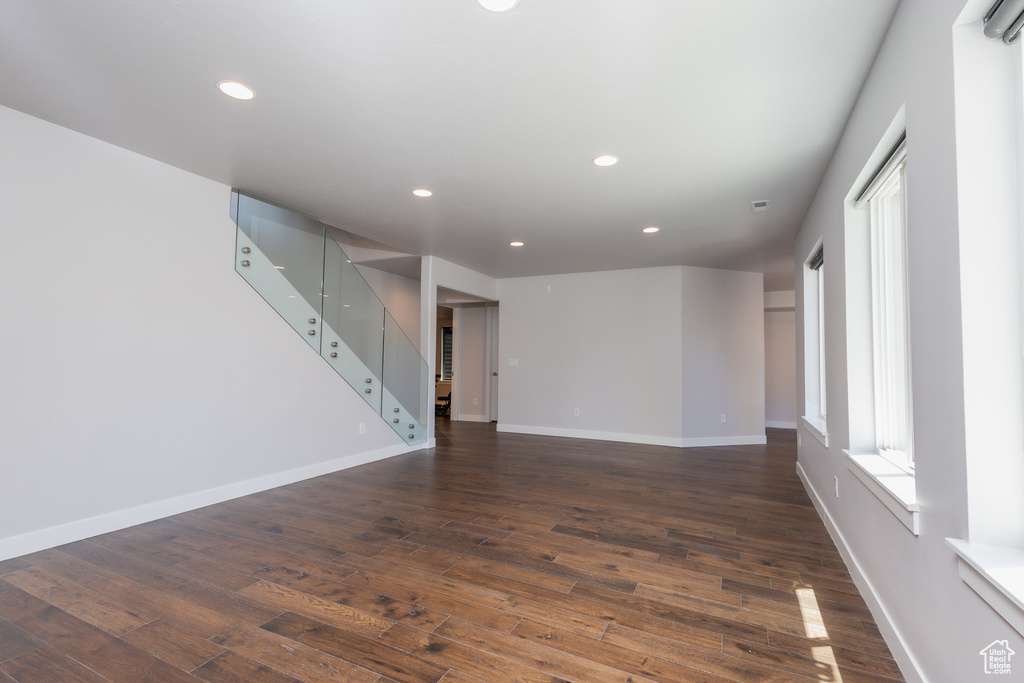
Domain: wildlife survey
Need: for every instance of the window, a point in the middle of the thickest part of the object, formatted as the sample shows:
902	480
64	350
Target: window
880	452
889	328
819	270
815	411
446	354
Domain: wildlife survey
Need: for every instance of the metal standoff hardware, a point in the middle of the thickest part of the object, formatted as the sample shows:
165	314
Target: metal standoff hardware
334	354
246	250
334	345
368	391
412	436
245	264
312	321
369	380
412	426
396	410
312	333
396	420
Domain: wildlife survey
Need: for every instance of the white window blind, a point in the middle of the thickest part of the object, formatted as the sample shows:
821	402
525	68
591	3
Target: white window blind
890	333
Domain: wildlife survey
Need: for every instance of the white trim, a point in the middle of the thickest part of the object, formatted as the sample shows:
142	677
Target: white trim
471	418
23	544
896	488
819	432
587	434
779	425
648	439
909	666
693	442
997	575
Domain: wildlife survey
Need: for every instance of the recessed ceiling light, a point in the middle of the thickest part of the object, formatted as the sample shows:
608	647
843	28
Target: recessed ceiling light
498	5
236	90
651	229
422	193
515	244
606	160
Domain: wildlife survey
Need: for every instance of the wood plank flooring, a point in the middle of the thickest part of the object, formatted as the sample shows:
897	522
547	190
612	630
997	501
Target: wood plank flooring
495	558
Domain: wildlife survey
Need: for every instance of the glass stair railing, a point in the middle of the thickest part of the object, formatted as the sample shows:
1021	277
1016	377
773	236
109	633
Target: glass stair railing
294	262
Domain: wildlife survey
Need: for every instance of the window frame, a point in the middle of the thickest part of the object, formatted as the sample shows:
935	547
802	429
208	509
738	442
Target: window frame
822	393
889	479
815	413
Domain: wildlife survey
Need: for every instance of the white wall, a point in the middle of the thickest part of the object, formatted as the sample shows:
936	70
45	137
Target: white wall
722	356
780	360
649	355
141	375
471	367
934	623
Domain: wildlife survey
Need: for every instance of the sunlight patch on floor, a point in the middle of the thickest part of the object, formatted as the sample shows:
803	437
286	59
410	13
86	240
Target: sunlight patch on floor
814	627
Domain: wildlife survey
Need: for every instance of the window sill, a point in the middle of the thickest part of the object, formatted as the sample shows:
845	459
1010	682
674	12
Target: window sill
997	575
817	429
894	487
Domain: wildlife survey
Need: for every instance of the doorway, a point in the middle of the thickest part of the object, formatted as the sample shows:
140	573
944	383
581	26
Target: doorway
466	363
444	362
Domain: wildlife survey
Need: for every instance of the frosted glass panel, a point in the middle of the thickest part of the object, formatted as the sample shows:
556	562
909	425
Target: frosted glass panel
405	375
298	267
275	288
352	309
293	243
353	325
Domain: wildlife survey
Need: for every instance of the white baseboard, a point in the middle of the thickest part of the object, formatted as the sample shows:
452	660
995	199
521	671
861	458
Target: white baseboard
725	441
648	439
472	418
908	664
588	434
23	544
774	424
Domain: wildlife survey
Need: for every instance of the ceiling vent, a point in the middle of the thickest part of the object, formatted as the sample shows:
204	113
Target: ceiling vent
759	206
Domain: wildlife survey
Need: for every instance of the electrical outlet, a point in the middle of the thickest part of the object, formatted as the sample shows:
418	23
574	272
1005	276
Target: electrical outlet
576	412
362	427
723	418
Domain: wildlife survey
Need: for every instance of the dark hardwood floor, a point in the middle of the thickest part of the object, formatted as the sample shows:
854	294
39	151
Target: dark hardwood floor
495	558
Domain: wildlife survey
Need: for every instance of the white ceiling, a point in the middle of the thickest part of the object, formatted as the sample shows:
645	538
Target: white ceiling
710	104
